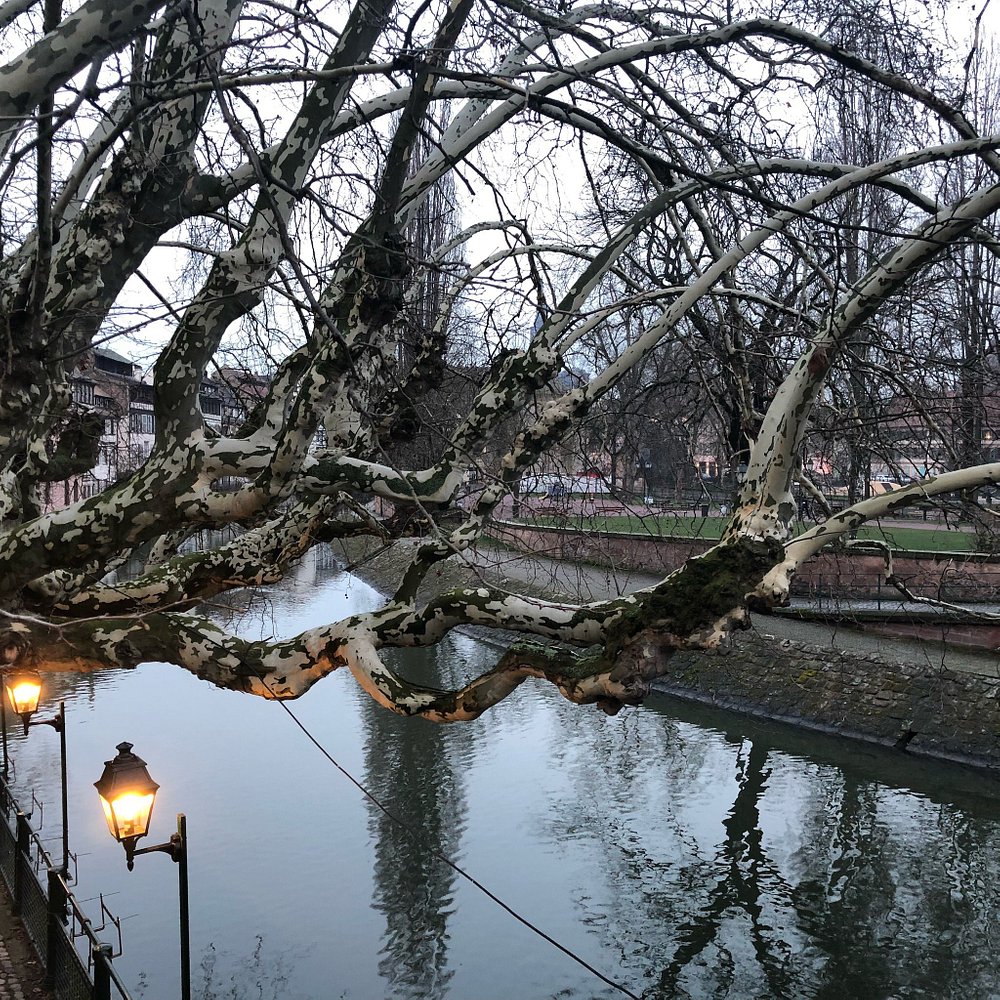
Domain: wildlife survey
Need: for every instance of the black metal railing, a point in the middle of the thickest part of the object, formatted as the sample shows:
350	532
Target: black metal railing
78	966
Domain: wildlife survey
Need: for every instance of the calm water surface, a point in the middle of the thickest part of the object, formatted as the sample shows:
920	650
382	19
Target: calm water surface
684	854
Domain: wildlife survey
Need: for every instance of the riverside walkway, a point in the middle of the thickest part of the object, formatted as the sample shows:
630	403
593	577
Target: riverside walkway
21	977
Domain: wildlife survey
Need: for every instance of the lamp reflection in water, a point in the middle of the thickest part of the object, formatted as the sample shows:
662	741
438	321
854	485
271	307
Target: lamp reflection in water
22	690
127	794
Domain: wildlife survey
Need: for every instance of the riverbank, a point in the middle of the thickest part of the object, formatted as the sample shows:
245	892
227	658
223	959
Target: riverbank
920	697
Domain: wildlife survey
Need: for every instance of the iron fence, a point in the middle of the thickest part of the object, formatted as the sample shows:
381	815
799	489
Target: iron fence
51	915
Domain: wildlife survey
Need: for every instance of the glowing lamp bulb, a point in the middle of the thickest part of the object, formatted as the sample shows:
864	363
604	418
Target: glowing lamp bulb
127	795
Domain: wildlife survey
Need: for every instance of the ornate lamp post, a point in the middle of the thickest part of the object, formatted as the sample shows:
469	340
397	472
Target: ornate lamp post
127	794
22	690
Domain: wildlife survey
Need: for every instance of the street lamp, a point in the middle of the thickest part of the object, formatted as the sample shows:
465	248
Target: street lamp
127	794
10	654
22	689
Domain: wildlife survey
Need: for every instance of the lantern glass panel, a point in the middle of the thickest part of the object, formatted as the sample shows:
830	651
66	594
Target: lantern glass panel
23	691
128	814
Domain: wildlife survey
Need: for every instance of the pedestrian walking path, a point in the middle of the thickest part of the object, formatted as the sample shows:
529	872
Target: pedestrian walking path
21	976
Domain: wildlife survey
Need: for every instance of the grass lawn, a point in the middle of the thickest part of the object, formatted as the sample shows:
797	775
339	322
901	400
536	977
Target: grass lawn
930	539
923	539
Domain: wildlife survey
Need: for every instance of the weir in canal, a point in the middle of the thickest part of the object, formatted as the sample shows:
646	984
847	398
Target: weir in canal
684	853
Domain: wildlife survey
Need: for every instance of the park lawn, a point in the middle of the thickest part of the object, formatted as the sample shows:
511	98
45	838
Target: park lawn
922	539
936	539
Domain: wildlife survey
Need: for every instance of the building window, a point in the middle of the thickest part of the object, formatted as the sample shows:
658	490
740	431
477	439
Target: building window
83	392
141	394
110	427
141	422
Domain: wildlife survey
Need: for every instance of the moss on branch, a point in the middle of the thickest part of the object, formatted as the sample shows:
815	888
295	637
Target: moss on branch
693	599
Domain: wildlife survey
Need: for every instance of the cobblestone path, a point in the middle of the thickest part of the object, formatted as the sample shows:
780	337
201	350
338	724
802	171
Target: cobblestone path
20	973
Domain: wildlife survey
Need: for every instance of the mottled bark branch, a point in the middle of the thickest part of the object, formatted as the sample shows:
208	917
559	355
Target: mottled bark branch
765	506
136	179
775	586
694	607
91	32
257	557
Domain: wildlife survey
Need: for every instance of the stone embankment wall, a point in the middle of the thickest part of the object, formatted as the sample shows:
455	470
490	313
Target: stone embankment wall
923	708
950	576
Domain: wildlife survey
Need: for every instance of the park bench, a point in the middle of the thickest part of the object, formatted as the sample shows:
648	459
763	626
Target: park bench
550	510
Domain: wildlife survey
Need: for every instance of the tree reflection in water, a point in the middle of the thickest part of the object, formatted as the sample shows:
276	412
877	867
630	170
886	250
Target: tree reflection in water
816	880
410	768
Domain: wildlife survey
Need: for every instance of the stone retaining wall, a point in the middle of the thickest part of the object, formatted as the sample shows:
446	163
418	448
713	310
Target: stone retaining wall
933	711
950	576
928	710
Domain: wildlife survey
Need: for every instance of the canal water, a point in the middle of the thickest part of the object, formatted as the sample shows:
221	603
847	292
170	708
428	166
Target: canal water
682	853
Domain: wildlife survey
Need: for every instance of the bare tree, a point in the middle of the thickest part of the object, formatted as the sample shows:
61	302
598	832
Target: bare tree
218	171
